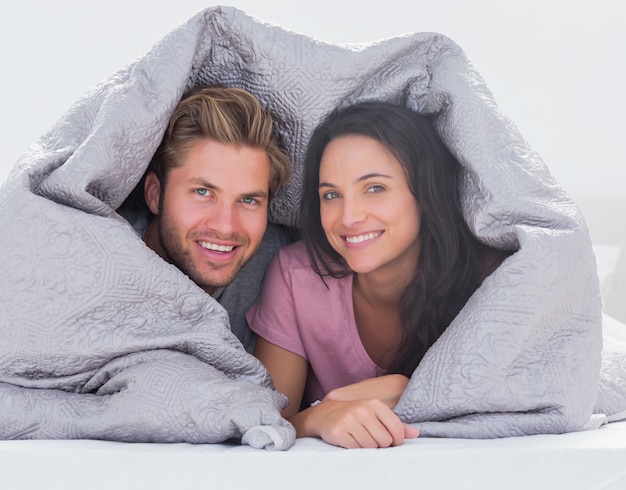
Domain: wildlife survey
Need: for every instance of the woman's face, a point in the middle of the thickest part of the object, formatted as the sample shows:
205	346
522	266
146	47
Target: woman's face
368	212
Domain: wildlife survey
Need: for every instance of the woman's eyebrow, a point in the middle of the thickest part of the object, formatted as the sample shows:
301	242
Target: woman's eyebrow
371	176
359	179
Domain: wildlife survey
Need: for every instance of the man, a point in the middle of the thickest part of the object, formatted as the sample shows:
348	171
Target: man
207	190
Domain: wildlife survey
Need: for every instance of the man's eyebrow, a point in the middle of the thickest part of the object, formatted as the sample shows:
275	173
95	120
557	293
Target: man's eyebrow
257	193
203	183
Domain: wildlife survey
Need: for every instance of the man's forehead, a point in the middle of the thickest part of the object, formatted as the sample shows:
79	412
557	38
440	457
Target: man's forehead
236	170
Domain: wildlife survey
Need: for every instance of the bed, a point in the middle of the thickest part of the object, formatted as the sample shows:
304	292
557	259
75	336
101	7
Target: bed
69	182
575	461
586	460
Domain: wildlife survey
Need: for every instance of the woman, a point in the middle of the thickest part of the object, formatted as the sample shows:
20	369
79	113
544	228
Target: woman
386	263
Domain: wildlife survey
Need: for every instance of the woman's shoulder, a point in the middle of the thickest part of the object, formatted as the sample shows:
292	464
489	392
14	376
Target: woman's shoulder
294	261
295	255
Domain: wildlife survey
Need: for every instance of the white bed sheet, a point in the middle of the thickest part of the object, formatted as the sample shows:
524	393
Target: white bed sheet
589	460
584	460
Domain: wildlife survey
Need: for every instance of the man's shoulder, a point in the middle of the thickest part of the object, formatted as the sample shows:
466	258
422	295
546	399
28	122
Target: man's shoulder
138	218
276	237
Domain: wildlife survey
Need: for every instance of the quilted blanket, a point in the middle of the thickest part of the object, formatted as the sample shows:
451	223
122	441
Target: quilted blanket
100	338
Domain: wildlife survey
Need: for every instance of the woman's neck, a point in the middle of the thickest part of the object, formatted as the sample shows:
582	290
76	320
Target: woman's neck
377	316
379	294
381	289
377	300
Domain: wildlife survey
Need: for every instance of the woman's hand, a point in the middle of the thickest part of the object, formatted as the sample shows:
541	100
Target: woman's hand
387	389
354	424
357	415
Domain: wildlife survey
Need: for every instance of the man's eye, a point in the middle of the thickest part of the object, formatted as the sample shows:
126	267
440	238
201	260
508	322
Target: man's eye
202	192
248	200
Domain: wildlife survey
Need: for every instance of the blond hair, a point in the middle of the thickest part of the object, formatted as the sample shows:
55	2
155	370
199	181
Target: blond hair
230	116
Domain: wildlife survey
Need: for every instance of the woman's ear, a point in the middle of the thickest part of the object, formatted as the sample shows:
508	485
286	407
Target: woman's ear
152	192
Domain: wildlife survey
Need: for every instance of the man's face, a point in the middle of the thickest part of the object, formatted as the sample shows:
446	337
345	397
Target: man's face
211	216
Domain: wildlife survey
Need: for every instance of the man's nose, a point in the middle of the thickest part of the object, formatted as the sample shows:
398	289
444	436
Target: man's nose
223	218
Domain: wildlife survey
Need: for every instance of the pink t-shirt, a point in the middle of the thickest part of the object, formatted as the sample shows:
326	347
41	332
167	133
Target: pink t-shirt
298	312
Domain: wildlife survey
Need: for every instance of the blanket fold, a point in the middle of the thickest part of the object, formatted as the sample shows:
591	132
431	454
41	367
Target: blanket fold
100	338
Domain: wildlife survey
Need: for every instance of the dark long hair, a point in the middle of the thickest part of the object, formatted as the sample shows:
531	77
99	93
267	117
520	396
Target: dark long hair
448	269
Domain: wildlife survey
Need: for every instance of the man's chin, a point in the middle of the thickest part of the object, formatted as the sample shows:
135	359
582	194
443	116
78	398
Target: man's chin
212	282
212	275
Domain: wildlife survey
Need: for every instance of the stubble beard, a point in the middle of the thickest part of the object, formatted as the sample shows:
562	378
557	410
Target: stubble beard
179	255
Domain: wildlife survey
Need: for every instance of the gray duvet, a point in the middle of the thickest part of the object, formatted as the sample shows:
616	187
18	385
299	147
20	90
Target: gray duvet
100	338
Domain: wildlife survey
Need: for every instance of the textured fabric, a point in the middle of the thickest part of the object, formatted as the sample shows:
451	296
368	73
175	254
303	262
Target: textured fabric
238	296
88	311
299	313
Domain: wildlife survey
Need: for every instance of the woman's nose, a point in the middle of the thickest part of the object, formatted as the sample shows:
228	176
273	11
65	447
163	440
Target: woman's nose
353	212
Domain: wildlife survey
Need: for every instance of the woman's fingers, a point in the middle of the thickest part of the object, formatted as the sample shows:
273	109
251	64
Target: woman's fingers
411	432
365	424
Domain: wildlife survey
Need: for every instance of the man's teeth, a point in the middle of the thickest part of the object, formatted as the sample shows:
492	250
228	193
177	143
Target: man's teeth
361	238
216	248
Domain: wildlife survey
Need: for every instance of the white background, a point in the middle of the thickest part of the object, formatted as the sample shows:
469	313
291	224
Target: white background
556	67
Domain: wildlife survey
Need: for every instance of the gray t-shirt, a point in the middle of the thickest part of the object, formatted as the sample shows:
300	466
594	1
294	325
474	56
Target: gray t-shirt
238	296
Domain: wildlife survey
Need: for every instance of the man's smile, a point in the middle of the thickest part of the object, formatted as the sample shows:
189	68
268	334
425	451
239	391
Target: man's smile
214	247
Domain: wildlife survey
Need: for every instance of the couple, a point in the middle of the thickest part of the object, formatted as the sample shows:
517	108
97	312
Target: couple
386	261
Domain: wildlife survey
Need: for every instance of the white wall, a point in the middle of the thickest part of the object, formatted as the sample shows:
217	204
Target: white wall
556	67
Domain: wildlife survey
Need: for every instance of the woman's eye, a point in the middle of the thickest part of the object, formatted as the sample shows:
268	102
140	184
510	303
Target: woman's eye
375	188
327	196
